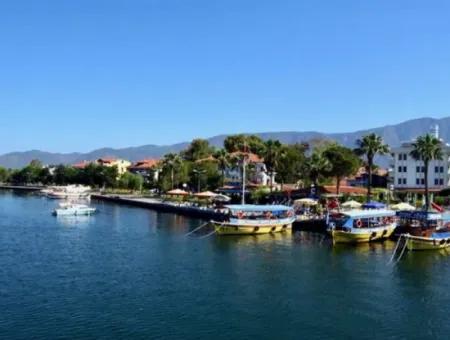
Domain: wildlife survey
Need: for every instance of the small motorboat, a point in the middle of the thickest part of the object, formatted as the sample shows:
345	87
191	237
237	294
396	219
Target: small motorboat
356	226
435	241
66	209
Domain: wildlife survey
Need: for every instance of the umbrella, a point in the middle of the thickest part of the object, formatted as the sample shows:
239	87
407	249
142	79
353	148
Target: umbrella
374	205
351	204
402	206
221	198
305	201
205	194
177	192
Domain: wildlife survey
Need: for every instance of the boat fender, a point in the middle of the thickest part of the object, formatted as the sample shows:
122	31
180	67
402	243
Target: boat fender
273	228
442	242
373	235
256	229
434	242
384	232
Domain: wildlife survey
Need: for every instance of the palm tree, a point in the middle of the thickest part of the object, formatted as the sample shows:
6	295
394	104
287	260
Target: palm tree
223	160
369	146
316	166
172	161
271	158
427	148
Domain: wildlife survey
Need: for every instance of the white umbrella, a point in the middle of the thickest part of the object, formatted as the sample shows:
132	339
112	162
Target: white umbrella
351	204
221	198
205	194
305	201
176	192
402	206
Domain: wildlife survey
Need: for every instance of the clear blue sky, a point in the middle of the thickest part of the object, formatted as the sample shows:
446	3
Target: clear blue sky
77	75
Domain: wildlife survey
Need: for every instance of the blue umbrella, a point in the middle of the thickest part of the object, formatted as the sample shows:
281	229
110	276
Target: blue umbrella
374	205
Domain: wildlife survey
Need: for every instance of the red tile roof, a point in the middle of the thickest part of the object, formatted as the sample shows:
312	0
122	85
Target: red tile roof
144	164
251	157
81	165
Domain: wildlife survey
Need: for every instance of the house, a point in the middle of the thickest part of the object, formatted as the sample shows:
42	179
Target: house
147	168
361	178
121	164
408	173
257	171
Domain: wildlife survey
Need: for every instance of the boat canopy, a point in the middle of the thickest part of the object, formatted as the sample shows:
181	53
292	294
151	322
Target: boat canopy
374	205
257	208
419	215
368	213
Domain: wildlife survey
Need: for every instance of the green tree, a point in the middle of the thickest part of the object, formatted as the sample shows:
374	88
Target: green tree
317	166
171	163
198	149
343	162
131	181
292	163
370	146
4	175
224	161
427	148
272	149
244	143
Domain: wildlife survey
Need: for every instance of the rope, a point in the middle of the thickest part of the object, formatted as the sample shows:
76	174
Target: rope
396	248
198	228
403	250
207	235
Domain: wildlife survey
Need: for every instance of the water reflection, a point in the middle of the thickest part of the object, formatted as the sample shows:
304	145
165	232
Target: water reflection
75	221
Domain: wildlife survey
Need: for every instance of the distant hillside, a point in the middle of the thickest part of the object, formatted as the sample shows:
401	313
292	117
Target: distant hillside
392	134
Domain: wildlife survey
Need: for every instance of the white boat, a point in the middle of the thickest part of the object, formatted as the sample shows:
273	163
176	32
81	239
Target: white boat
66	209
68	191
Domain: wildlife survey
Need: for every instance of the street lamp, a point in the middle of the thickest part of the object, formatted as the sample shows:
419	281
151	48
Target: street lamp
198	173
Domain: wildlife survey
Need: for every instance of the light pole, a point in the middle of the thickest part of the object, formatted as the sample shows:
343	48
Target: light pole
198	173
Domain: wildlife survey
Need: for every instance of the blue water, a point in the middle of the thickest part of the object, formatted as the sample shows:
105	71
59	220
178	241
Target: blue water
131	273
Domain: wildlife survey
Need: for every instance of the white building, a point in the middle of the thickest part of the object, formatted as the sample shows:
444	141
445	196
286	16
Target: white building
256	172
408	173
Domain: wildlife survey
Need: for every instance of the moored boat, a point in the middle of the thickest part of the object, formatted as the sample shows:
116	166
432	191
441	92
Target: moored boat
418	223
251	219
436	241
356	226
74	210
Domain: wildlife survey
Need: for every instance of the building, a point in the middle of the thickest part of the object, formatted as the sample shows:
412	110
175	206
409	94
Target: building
121	164
408	173
361	178
147	168
256	171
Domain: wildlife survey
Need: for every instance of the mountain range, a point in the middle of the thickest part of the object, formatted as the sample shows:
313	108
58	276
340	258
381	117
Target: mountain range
392	135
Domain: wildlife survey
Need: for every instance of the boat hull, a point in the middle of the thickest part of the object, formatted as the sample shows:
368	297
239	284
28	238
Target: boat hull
74	212
250	229
414	243
362	235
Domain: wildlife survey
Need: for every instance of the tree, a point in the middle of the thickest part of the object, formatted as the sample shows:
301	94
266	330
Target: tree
224	161
4	175
317	165
131	181
198	149
370	146
343	162
292	163
244	143
427	148
171	162
271	158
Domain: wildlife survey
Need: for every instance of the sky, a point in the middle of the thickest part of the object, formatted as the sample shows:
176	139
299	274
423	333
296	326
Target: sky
79	75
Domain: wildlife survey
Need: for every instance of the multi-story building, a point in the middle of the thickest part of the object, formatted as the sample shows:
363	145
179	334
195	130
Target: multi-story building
408	173
148	168
257	172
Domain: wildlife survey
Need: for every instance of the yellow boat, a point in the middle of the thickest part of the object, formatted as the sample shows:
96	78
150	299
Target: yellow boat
358	226
251	219
435	242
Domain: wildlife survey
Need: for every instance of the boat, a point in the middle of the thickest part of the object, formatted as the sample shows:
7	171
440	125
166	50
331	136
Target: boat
418	223
356	226
66	209
67	192
436	241
249	219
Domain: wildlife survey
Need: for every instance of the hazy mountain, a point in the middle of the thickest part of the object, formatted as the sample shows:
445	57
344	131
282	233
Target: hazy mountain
392	134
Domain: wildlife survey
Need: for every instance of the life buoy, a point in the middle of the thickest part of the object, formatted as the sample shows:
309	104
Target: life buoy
386	220
240	215
358	223
290	213
268	214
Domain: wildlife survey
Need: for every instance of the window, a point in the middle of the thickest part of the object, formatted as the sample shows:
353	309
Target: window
405	169
399	181
423	169
422	181
436	181
441	181
400	169
400	156
404	180
417	168
436	169
417	181
441	169
404	156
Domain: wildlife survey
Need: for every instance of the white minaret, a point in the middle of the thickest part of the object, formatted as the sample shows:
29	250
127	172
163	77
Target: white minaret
435	131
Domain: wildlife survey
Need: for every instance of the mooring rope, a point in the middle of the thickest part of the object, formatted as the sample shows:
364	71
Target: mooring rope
403	251
207	235
198	228
402	237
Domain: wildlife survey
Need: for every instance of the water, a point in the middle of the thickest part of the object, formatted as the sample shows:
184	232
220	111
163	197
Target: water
130	273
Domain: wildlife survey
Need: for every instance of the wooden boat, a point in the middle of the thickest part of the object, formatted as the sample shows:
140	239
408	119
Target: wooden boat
438	240
251	219
356	226
418	223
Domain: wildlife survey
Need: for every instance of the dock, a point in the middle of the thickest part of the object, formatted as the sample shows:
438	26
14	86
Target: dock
163	206
21	187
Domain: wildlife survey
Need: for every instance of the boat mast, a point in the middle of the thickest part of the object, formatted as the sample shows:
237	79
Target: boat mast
243	173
